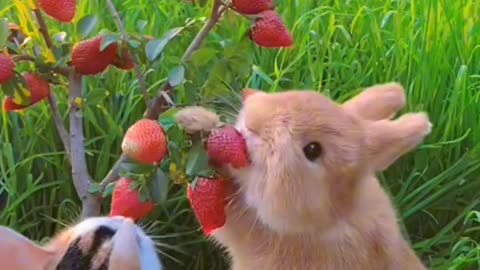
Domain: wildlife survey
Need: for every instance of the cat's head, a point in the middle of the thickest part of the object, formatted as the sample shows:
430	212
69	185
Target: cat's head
100	243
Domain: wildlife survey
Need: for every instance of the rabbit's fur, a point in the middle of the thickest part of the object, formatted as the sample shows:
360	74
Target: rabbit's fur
286	212
100	243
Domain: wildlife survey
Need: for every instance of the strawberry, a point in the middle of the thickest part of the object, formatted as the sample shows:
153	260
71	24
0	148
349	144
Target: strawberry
62	10
270	31
6	68
39	90
88	59
125	61
145	141
227	146
126	201
252	6
208	200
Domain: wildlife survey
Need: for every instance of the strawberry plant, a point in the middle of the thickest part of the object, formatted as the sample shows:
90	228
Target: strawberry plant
155	151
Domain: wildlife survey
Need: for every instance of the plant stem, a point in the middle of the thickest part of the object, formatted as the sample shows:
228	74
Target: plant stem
81	178
125	37
59	123
157	105
42	26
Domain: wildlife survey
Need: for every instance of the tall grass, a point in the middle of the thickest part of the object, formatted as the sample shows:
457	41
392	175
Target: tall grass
429	46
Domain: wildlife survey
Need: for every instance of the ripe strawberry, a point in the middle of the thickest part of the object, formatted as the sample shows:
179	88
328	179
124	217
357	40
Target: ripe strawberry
125	61
270	31
126	202
62	10
39	90
227	146
88	59
252	6
6	68
145	141
208	200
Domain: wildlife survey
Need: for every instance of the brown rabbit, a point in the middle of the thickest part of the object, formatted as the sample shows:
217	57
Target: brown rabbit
310	199
100	243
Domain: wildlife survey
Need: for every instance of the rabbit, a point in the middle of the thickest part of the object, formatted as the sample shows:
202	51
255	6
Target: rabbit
97	243
310	199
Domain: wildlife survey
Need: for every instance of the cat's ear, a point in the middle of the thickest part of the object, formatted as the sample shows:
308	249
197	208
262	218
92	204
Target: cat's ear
125	250
19	253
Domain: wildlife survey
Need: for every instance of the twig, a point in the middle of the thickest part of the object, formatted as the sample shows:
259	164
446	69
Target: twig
157	105
125	37
81	178
42	26
59	123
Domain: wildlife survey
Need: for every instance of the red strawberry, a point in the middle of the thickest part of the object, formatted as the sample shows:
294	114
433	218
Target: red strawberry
207	200
39	90
145	141
88	59
124	62
6	68
126	202
227	146
62	10
270	31
252	6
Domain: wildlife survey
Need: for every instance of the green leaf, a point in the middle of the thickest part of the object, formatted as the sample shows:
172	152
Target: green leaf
8	87
144	194
133	167
176	76
167	118
94	188
109	190
134	43
202	56
60	37
4	32
155	47
159	186
197	159
107	40
141	25
86	25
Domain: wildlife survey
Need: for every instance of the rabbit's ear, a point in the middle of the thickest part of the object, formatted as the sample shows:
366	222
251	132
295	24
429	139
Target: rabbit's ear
19	253
125	250
247	92
388	140
377	102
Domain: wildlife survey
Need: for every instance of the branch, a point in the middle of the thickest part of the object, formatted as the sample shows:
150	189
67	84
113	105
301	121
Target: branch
81	178
59	123
42	26
157	105
138	71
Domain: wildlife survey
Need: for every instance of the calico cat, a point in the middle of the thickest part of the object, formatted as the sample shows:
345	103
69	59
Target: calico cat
100	243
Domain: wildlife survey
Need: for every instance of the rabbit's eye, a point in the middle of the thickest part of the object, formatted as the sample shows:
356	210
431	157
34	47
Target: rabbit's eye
312	151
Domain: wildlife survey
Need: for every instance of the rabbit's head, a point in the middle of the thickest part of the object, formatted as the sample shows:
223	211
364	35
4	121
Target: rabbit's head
95	243
310	155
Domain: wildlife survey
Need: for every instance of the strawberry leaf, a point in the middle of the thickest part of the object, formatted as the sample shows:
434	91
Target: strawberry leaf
107	40
176	76
108	190
144	194
94	188
158	186
8	87
197	159
167	118
155	47
86	25
133	167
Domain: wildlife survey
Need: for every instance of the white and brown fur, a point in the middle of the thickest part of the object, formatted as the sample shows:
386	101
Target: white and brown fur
286	212
100	243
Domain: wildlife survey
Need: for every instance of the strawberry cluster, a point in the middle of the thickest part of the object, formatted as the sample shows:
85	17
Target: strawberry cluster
25	90
268	29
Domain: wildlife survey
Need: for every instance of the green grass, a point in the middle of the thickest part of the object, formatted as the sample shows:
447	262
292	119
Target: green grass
429	46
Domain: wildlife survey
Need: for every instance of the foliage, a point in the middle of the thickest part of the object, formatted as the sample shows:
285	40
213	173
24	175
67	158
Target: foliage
430	47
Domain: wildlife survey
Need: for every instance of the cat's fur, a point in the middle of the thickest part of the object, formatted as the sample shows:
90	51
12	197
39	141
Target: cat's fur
289	213
100	243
